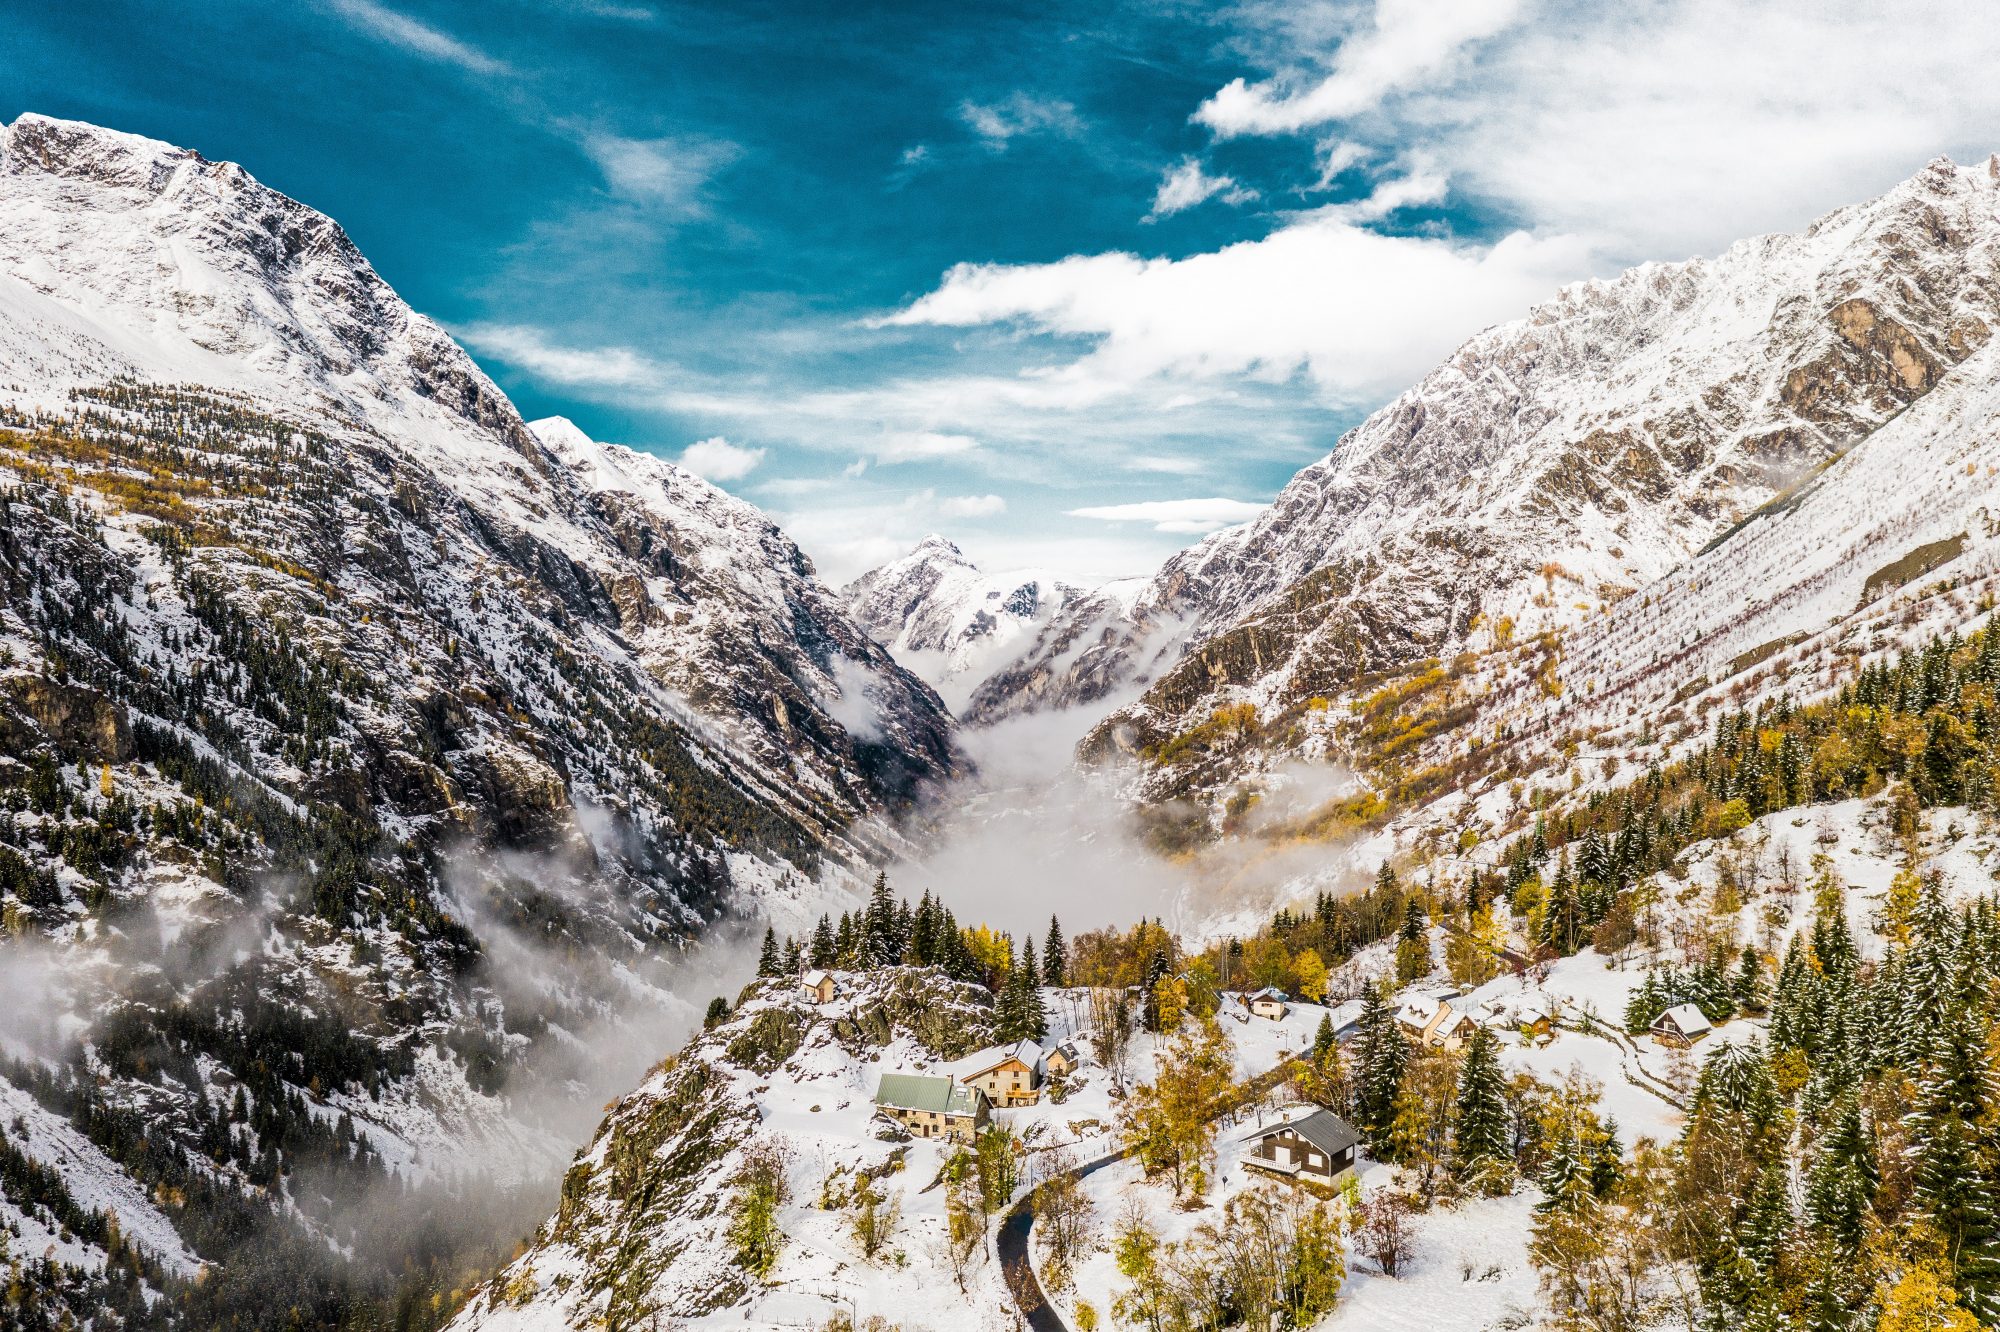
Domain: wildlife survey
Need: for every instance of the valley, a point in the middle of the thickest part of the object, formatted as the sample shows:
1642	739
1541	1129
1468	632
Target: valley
420	828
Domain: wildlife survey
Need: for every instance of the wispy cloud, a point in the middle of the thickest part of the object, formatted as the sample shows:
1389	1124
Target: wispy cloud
1184	516
418	38
608	9
719	460
923	446
1655	130
1337	156
1411	40
533	351
1019	114
669	172
1420	183
1187	184
972	506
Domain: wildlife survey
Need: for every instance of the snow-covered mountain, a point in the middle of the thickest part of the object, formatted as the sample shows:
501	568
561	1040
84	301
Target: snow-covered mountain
950	622
1555	465
379	748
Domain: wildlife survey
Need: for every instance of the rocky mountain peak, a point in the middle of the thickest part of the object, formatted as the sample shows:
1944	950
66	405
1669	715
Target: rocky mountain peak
936	547
1596	442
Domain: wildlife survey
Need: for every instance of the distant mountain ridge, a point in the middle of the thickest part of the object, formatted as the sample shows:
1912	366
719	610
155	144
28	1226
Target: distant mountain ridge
1551	467
951	623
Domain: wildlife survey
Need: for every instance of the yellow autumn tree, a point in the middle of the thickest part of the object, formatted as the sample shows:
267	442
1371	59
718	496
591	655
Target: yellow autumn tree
1309	976
1924	1301
992	950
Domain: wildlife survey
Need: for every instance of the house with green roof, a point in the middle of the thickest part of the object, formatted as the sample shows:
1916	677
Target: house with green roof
932	1107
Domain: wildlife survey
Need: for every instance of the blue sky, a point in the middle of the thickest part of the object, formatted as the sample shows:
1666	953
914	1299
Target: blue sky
1071	284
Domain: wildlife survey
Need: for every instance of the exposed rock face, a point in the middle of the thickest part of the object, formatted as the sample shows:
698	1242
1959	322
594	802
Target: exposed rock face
128	258
1553	464
642	1231
426	737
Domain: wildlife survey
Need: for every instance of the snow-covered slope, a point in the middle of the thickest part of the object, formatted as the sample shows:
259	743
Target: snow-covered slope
1557	463
951	623
424	738
123	257
1847	564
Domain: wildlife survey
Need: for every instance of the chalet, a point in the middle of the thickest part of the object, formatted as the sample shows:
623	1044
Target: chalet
1431	1020
1681	1026
932	1107
1064	1059
1532	1012
1268	1003
819	984
1008	1074
1319	1146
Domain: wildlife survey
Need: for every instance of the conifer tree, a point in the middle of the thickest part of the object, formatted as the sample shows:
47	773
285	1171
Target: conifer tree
1035	1020
823	954
880	944
1759	1235
1324	1038
1481	1144
1413	944
1010	1012
1157	967
1746	987
1055	957
1562	919
1380	1058
768	962
1018	1013
1843	1180
1565	1177
922	949
1607	1160
1955	1184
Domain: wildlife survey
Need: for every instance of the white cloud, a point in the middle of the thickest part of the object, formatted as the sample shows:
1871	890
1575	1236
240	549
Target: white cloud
1186	516
1361	313
1186	185
1170	464
999	123
1410	41
531	350
1337	156
972	506
1421	183
671	172
719	460
923	446
420	39
1654	130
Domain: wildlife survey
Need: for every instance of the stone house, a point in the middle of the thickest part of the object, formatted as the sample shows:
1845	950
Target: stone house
932	1107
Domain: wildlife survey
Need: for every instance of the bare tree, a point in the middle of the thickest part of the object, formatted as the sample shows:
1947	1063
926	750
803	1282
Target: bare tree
1383	1232
1111	1031
1063	1214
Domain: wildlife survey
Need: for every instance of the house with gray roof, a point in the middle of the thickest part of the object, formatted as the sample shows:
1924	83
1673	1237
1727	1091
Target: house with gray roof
932	1107
1320	1146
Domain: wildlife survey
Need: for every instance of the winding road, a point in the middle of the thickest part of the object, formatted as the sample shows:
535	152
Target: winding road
1012	1243
1018	1224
